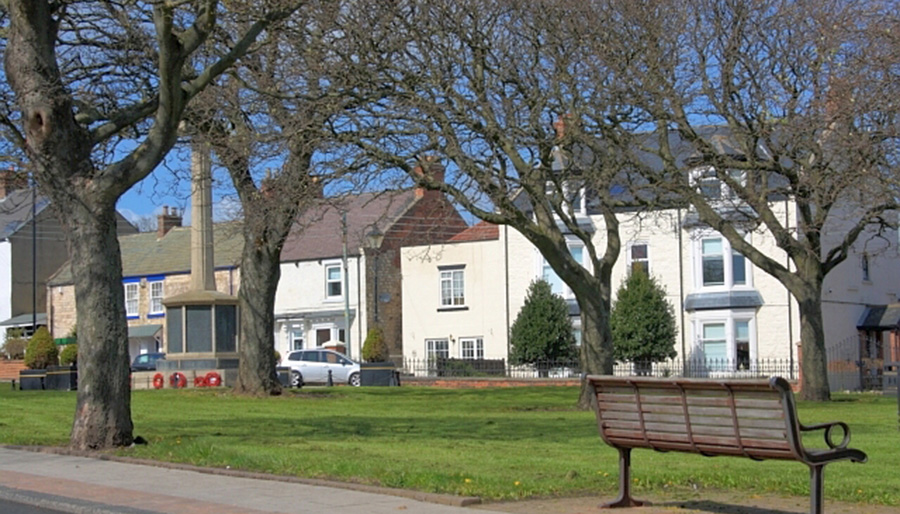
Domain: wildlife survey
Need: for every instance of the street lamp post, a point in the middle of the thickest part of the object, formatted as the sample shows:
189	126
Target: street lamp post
374	239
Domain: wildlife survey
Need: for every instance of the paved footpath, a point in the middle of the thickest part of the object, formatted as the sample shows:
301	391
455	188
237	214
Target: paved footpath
95	486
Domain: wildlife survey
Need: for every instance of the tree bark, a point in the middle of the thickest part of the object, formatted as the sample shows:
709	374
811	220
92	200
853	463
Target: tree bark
103	406
260	271
814	385
596	350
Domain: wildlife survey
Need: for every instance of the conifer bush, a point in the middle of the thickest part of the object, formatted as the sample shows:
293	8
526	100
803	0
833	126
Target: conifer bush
69	355
41	351
642	322
542	331
375	348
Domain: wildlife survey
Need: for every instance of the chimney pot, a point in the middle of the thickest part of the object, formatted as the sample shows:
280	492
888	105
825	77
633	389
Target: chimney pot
167	221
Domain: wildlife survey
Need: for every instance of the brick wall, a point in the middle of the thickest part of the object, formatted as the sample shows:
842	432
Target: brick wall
432	219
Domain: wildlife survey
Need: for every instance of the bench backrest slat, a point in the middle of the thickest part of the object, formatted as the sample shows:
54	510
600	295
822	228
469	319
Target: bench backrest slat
734	418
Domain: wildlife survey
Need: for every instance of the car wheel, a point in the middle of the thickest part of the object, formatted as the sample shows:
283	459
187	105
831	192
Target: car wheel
296	379
354	379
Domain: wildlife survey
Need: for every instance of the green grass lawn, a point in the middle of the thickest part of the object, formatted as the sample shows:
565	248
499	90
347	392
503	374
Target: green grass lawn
494	443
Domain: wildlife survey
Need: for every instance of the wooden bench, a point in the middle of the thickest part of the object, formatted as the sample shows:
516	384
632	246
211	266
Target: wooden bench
743	418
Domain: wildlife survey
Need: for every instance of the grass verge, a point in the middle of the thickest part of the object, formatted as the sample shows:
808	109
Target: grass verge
494	443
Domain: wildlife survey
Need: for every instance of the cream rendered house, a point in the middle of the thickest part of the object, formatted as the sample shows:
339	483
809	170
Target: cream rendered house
732	317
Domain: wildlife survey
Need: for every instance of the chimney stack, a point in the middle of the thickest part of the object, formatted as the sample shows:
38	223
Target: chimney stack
167	221
11	180
434	171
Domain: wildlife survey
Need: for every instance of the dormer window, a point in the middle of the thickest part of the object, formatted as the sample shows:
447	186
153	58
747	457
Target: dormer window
708	183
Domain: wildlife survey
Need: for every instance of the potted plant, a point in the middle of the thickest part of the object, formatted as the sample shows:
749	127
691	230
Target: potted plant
65	376
40	353
282	372
376	369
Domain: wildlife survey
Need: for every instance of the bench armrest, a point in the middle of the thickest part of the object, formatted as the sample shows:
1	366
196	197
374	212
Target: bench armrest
829	427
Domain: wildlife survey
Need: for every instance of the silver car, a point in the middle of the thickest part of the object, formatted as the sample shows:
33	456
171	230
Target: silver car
312	367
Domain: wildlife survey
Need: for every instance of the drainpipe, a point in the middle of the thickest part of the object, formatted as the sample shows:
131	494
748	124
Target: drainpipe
359	310
787	225
681	289
506	284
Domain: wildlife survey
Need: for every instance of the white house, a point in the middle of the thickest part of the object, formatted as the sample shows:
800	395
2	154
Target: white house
337	281
729	314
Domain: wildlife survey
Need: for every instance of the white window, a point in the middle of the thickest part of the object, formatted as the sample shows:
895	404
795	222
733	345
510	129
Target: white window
639	257
131	299
328	332
726	340
471	348
156	297
334	281
719	266
557	286
453	287
708	183
297	338
437	348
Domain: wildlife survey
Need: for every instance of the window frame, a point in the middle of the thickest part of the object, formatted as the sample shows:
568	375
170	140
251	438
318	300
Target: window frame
151	284
455	277
632	260
728	257
546	272
293	337
329	281
476	351
729	319
432	352
135	286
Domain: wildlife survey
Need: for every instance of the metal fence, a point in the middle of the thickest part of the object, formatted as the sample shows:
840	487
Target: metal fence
692	368
858	363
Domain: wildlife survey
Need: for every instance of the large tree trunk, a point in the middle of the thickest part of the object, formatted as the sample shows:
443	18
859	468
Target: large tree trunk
596	351
260	272
814	362
103	409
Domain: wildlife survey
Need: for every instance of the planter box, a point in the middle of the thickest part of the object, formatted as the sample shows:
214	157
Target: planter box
62	378
284	376
32	379
379	374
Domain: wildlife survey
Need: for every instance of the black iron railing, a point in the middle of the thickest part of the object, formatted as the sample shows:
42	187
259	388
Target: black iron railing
571	368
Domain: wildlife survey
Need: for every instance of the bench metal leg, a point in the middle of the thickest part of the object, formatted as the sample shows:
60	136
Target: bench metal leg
624	499
816	489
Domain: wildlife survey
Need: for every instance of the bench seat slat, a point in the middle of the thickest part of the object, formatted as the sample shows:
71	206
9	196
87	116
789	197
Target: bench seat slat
697	430
662	440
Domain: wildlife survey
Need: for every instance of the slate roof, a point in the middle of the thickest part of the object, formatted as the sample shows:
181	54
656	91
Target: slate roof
25	319
15	211
145	255
877	317
317	232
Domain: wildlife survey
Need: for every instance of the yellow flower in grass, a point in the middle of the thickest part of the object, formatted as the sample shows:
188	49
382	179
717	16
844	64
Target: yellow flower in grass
517	483
468	480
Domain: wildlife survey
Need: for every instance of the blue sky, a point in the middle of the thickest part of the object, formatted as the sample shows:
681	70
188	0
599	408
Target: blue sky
169	186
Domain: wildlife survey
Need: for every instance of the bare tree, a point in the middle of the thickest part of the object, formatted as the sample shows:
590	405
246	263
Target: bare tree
101	89
268	124
802	99
506	92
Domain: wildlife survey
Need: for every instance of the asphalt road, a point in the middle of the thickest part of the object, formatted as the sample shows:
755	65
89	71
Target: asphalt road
10	507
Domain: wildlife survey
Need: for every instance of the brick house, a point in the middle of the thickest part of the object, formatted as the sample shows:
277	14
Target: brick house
155	265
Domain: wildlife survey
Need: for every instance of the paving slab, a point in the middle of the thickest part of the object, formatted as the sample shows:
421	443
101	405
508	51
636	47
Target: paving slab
100	486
